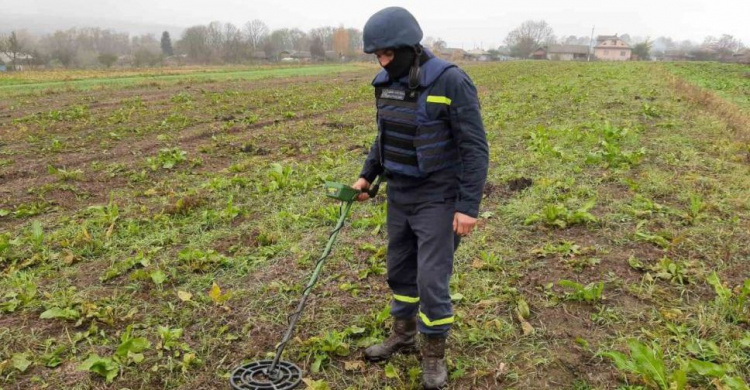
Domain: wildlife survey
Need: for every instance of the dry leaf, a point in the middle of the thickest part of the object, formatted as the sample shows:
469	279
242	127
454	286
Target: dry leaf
184	295
215	293
354	365
217	297
526	327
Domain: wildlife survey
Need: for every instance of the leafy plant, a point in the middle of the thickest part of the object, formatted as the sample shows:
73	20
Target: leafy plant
650	111
670	270
280	177
649	364
721	373
201	261
121	267
23	291
168	158
558	215
105	367
592	292
376	221
563	249
65	175
695	209
332	343
613	156
375	263
170	338
539	142
131	348
734	305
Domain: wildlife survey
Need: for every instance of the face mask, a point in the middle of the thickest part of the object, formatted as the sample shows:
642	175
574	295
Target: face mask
402	61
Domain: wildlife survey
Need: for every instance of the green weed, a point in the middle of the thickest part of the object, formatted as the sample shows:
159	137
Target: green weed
591	292
559	216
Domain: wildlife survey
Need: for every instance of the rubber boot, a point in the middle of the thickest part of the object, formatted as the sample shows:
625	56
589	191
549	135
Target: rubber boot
402	339
434	370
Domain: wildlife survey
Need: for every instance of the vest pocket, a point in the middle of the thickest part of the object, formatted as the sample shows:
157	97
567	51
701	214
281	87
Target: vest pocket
435	147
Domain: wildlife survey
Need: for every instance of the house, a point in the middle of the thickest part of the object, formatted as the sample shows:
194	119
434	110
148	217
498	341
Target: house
302	56
743	57
478	55
539	54
21	61
612	48
676	55
452	54
258	55
568	52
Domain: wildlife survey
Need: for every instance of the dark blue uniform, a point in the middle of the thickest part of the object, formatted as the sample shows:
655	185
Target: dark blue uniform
433	151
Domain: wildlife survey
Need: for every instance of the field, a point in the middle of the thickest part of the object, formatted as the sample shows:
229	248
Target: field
157	228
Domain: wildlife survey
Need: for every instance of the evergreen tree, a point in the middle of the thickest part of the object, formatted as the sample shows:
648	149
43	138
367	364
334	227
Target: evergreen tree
166	44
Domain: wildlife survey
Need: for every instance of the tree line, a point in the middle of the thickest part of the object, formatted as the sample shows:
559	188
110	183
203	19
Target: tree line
226	43
214	43
522	41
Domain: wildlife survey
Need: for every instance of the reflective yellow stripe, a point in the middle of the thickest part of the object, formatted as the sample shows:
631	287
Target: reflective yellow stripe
443	321
438	99
404	298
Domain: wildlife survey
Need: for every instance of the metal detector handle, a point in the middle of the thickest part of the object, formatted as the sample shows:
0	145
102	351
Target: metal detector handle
373	190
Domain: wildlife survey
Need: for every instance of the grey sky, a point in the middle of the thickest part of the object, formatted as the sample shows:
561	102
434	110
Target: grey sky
462	23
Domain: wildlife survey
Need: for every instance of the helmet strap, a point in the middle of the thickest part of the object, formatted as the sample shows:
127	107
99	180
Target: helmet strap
415	70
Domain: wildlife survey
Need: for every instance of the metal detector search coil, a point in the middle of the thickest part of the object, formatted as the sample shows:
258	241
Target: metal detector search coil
254	376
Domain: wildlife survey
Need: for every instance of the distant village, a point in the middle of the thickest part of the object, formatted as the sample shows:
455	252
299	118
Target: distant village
217	44
605	48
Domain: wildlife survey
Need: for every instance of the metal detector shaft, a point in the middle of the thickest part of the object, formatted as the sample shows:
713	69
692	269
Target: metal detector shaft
313	279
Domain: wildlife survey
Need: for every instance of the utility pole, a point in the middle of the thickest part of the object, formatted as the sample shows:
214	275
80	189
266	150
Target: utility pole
591	41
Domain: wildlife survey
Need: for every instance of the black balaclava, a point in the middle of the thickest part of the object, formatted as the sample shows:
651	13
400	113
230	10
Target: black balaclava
403	59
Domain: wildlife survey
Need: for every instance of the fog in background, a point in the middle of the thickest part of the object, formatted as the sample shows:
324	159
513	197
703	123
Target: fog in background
106	33
463	24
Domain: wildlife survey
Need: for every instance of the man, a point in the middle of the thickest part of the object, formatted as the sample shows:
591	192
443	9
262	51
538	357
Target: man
432	149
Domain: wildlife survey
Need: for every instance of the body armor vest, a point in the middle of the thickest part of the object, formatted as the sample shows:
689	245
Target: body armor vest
410	142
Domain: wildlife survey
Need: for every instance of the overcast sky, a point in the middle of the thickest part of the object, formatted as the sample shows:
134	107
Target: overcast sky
461	23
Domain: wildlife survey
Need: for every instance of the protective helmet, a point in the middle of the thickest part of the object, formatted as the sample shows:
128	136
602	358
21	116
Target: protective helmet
391	27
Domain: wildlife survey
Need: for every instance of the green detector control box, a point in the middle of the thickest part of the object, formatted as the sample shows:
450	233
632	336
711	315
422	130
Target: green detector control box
341	192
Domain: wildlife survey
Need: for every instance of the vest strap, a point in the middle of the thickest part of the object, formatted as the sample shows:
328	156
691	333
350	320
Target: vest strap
418	142
400	128
401	158
410	117
397	103
399	142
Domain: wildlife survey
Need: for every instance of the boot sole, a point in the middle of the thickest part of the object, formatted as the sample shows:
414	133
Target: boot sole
404	351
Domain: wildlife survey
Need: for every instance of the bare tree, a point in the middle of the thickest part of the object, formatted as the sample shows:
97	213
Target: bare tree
215	37
195	44
61	46
529	36
317	50
298	39
233	49
12	46
439	45
727	45
255	32
279	40
325	34
356	45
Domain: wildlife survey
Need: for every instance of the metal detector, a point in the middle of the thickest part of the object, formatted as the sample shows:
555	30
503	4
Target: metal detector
282	375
